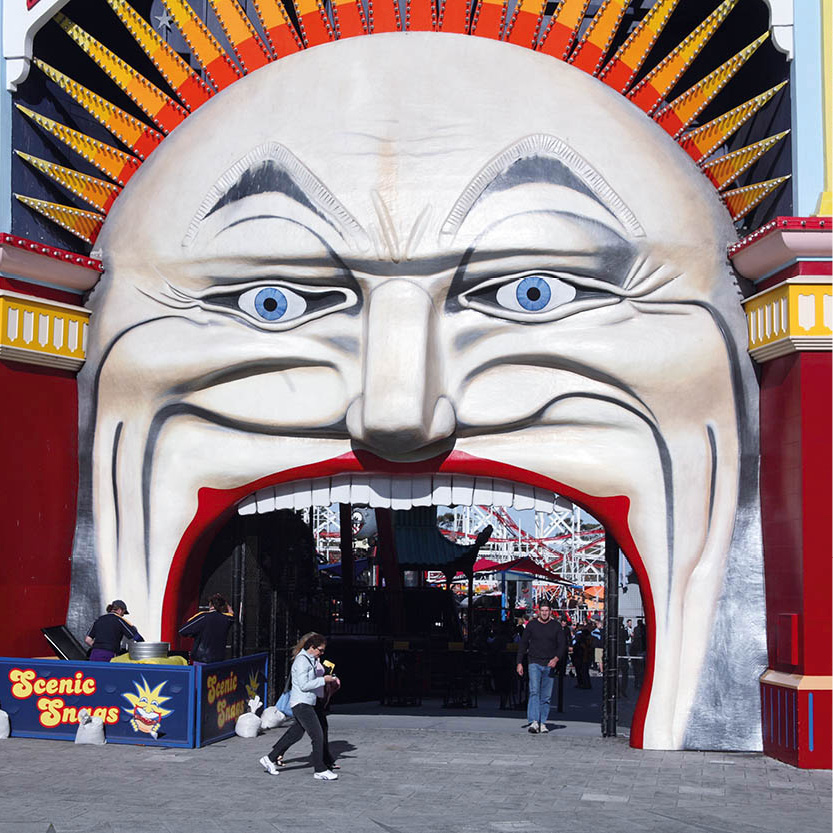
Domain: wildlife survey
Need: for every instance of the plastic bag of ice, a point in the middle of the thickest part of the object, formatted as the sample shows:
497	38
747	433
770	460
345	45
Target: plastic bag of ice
90	729
271	717
248	724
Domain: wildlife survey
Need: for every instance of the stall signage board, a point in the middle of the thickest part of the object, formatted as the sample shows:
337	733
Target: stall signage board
223	693
139	703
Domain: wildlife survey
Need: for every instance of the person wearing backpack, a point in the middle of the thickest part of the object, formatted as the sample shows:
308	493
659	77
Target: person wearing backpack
307	697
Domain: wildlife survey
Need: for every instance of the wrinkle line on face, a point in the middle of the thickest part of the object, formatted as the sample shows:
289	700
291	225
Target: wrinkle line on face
114	477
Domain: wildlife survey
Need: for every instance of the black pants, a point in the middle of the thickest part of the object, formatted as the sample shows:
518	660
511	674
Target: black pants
312	721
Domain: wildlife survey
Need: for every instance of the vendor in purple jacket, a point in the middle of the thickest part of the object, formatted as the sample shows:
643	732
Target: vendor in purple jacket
107	632
545	643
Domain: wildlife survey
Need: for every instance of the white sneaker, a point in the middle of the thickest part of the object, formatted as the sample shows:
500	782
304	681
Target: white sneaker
269	765
534	727
543	728
327	775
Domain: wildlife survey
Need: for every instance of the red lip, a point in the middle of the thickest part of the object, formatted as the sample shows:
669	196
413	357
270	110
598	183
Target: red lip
216	505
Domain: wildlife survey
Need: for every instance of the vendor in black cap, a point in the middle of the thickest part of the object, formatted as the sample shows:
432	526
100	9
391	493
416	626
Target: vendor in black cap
209	630
107	632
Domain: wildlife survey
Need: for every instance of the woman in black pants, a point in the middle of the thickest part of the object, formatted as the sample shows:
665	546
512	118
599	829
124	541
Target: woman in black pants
309	683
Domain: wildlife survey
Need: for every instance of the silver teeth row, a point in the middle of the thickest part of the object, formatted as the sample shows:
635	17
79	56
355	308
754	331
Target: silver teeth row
398	493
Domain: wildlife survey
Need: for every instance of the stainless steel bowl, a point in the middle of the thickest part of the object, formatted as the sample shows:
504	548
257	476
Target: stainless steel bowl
147	651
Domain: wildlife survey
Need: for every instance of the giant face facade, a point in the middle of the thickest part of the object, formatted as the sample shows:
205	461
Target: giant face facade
388	266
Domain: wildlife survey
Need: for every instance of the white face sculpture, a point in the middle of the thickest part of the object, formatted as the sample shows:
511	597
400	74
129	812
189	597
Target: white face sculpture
391	254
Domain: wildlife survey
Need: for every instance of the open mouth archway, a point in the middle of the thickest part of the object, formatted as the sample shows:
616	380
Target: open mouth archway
397	284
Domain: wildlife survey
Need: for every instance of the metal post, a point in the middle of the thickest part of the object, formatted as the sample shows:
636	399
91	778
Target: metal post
348	571
471	605
610	653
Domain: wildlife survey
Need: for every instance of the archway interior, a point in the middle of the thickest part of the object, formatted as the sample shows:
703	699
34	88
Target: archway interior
443	631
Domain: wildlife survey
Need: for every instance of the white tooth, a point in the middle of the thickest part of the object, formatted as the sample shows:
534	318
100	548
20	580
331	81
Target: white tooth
303	495
360	490
482	492
400	493
441	494
462	490
340	489
503	493
421	491
524	497
248	506
284	497
321	492
265	500
380	490
544	500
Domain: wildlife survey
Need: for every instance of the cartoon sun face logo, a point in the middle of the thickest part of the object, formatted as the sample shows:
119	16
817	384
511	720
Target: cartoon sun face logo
147	711
251	686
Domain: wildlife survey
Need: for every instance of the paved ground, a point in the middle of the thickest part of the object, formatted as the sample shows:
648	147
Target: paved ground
411	770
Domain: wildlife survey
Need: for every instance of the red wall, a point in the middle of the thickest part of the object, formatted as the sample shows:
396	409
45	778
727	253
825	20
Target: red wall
38	485
796	501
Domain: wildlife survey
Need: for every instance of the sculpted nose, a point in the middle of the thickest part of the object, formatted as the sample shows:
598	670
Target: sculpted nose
402	407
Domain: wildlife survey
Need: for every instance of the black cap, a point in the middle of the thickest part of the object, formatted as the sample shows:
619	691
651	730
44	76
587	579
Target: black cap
119	603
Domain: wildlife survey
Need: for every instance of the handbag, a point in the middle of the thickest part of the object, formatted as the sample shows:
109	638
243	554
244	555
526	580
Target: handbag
283	704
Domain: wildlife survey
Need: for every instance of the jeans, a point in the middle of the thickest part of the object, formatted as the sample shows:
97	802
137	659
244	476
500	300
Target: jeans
313	722
540	692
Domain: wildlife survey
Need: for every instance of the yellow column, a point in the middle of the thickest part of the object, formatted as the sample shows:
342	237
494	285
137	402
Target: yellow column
825	206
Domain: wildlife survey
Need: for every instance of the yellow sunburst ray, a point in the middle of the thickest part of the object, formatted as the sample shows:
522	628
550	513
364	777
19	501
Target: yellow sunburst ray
725	169
525	22
116	164
740	201
678	114
83	224
141	138
700	142
218	66
186	83
159	107
595	42
562	29
653	88
279	29
244	40
622	68
93	191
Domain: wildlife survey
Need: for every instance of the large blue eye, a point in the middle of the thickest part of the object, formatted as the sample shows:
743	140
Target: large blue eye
533	293
270	303
273	305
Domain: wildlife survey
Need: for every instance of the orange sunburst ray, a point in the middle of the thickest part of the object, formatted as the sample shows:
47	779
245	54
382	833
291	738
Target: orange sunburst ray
313	22
241	34
522	28
156	105
653	88
190	88
116	164
622	68
740	201
677	115
562	29
453	16
727	168
218	66
349	19
702	141
420	16
489	18
384	16
134	133
83	224
93	191
595	43
280	32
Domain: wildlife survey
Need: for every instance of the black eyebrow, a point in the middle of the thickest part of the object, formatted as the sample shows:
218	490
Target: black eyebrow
540	159
272	168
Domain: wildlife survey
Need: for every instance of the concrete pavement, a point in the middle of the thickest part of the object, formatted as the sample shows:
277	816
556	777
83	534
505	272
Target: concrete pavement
417	769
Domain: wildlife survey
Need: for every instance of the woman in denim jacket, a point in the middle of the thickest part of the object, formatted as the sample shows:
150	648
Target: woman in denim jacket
309	682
